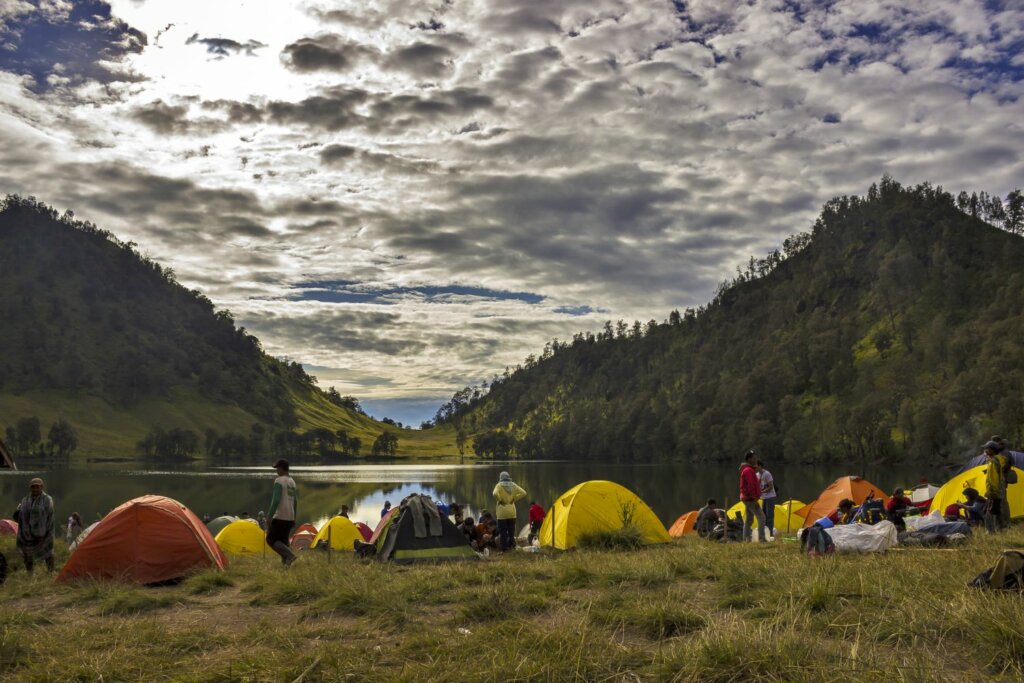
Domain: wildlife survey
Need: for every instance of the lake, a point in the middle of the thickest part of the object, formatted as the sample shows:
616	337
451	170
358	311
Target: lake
669	488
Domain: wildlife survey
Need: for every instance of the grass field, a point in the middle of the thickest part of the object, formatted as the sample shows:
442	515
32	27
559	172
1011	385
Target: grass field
106	430
688	611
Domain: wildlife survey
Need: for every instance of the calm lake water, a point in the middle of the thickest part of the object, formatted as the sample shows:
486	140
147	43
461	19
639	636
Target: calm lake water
670	489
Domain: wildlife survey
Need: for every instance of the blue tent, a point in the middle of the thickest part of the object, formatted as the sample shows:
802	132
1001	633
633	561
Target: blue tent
1016	458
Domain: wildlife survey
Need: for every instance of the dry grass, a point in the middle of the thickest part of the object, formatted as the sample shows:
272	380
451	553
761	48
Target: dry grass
690	611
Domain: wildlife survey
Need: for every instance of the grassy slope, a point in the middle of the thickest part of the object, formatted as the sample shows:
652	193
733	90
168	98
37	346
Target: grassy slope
689	611
106	430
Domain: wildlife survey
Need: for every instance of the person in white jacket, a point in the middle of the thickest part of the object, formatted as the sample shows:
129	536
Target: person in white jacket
506	493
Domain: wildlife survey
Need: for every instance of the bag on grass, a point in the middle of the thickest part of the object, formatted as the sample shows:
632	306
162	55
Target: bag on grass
1006	574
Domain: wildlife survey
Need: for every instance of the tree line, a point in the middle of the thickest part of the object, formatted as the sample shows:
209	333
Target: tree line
25	438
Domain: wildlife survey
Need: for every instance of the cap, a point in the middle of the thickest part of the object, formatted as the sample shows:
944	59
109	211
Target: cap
992	444
282	463
36	482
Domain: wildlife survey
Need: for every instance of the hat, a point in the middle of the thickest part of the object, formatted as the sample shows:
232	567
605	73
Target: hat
504	476
282	464
992	445
36	482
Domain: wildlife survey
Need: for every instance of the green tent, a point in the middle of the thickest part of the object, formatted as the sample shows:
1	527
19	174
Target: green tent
217	523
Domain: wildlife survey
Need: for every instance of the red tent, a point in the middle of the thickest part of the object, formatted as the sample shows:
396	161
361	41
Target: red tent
151	539
364	531
8	527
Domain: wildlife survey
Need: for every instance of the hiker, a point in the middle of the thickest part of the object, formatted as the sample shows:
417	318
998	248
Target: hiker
995	486
708	517
74	527
261	519
768	496
843	514
487	528
1011	477
898	506
974	508
750	494
506	493
536	517
343	512
472	534
284	505
386	509
35	526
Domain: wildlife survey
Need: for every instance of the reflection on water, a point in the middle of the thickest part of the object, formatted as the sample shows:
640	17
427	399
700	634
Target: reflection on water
670	489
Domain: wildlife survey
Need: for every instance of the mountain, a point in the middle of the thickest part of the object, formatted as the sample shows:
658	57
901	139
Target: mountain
100	338
890	331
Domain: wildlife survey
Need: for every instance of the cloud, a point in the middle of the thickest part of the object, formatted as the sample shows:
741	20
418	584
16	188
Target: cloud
618	158
225	47
325	53
422	59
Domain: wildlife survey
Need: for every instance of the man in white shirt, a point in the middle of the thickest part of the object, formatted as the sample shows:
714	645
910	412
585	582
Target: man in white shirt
283	507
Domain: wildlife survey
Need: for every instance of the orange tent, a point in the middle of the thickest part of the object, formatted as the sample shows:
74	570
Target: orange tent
684	525
148	540
854	488
305	528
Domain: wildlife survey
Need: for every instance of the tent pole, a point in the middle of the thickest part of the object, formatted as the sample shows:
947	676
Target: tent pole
329	549
553	525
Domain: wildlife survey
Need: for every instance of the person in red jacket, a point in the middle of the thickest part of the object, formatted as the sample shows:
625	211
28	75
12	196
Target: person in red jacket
750	494
536	516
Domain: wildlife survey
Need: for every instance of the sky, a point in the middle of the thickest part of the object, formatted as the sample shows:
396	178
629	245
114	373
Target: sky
409	197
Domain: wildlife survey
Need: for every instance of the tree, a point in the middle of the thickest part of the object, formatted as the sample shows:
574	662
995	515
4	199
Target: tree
385	444
28	434
354	445
1014	212
62	438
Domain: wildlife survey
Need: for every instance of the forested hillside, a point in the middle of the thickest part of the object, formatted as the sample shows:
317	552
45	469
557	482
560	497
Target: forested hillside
891	330
99	337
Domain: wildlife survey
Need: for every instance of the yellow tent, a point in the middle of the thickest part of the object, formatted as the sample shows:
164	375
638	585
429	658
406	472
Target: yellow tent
243	537
598	506
341	532
953	490
787	515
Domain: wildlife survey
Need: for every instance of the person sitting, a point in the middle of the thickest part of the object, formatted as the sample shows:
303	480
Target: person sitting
842	514
974	508
343	512
897	507
707	517
472	534
488	529
455	510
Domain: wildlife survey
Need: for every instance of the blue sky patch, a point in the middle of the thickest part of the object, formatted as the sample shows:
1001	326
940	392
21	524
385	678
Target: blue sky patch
348	291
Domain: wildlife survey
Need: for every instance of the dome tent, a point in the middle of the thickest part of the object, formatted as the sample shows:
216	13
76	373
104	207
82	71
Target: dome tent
415	531
151	539
856	489
217	523
595	506
340	532
953	490
684	525
243	537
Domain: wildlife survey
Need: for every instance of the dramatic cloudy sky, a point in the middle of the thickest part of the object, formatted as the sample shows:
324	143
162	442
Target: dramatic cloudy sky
409	196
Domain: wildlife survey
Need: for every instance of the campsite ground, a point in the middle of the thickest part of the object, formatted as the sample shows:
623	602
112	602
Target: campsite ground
689	611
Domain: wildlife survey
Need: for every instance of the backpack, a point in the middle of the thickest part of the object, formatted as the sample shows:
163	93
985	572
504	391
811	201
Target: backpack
1006	574
872	511
818	542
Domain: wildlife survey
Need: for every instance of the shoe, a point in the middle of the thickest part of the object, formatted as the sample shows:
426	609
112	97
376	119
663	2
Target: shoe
289	561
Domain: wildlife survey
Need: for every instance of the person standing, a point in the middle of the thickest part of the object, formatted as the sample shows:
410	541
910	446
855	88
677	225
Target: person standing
750	494
536	517
1004	452
35	526
995	486
506	493
386	509
768	497
284	505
